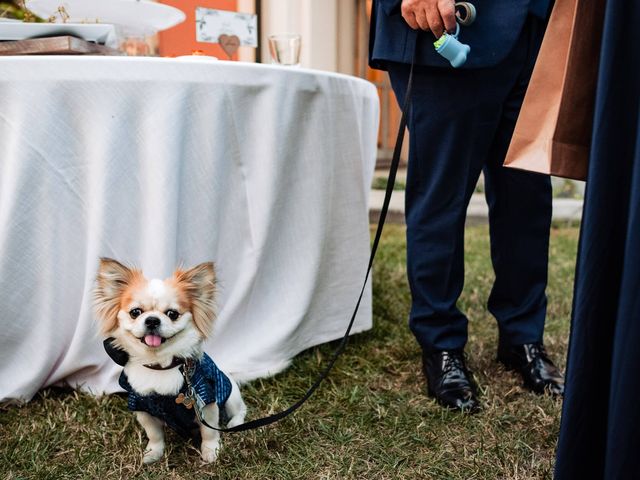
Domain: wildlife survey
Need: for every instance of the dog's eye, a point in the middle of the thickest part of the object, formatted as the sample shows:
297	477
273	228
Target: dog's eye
172	314
135	313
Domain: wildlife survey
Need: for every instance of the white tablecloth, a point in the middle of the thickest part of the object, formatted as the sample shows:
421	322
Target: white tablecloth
264	170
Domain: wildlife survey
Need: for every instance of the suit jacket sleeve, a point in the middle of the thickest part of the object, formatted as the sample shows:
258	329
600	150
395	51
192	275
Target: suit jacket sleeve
390	6
491	37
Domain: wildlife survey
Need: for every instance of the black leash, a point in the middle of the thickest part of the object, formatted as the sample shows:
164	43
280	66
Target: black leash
395	161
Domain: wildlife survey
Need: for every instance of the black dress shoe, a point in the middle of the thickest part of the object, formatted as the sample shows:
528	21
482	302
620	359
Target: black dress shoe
449	380
539	373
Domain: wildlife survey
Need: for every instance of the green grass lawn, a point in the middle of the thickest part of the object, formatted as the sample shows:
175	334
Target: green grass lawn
370	420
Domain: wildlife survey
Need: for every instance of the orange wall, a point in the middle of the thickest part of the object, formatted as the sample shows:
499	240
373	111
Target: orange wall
181	39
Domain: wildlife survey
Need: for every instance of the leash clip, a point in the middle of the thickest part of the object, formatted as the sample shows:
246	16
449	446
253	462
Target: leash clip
191	398
465	13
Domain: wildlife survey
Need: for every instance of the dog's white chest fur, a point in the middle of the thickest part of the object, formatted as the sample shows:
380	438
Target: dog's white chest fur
146	381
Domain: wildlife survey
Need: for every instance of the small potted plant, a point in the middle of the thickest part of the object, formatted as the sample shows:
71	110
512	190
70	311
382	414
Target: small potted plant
17	10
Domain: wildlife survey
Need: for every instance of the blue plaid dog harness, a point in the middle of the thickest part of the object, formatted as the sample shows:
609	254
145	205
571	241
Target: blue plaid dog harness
204	384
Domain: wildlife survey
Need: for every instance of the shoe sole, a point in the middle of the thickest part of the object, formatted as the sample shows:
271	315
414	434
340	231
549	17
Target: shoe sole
431	394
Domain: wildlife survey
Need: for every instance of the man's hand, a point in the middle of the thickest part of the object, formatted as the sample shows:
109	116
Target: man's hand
434	15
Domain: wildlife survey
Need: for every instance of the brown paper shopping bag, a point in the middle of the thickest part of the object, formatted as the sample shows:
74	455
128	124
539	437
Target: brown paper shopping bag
553	132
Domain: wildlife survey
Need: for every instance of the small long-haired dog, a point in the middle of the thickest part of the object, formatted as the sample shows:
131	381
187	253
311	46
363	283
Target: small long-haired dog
155	329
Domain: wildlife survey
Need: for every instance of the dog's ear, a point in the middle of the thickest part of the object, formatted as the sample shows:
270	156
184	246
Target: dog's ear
112	280
198	284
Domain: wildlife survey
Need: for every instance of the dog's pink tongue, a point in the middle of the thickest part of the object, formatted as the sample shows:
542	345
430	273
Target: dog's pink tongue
153	340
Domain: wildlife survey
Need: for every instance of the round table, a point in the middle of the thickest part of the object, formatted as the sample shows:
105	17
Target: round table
159	162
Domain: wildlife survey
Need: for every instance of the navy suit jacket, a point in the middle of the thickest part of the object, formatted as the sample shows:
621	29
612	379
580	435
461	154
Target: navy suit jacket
491	37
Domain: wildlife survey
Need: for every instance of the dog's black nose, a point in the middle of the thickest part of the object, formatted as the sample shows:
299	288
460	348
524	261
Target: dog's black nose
152	322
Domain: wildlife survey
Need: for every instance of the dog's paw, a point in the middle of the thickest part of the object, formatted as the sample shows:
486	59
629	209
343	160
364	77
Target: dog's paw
235	421
153	453
209	451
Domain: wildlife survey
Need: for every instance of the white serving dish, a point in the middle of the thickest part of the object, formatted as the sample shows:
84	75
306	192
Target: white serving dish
141	15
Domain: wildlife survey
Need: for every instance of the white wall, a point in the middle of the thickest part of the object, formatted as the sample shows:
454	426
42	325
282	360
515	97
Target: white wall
327	28
247	54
